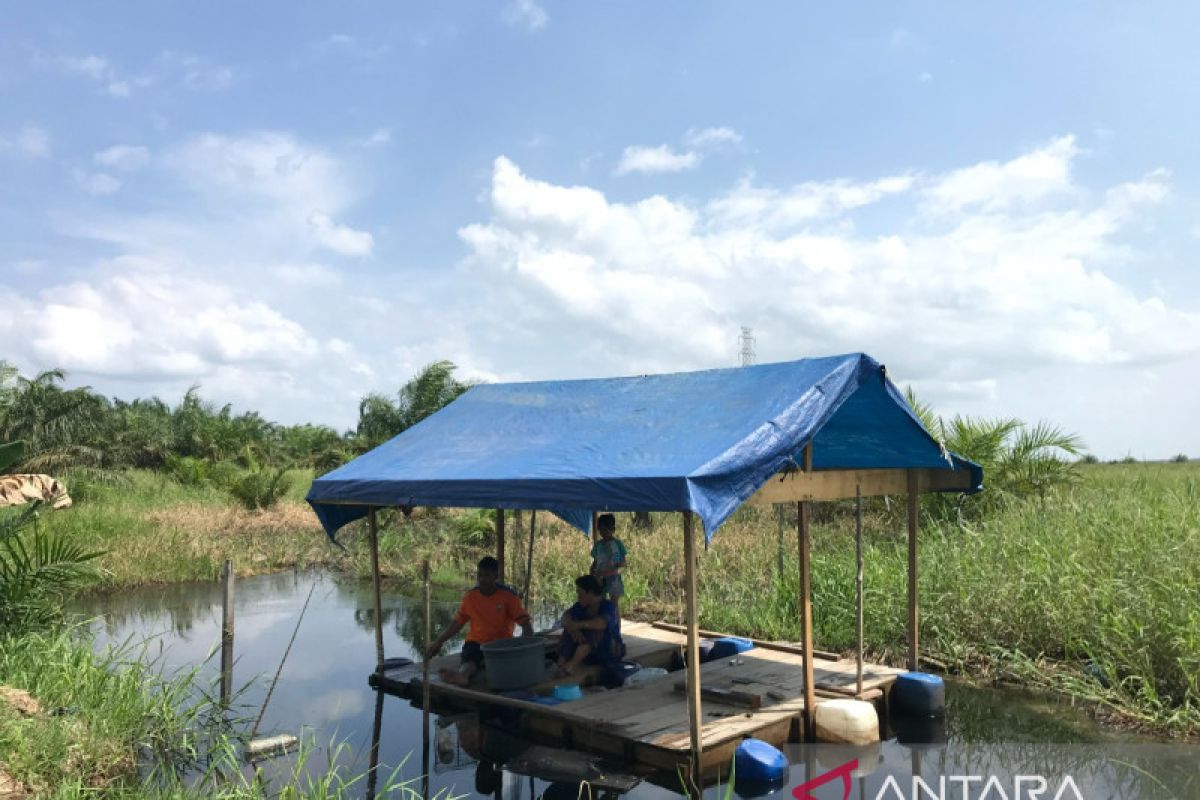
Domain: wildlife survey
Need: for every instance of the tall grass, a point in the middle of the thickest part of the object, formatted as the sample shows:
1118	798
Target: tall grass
111	726
1093	589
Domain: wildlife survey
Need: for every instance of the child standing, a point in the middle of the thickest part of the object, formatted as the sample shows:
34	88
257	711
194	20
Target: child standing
608	558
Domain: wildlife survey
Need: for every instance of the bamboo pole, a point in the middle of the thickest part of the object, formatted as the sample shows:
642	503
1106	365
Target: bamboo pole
425	688
227	576
914	510
373	529
806	632
693	648
529	559
858	589
376	731
500	541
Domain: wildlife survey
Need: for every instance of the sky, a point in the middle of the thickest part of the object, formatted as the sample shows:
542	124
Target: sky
294	204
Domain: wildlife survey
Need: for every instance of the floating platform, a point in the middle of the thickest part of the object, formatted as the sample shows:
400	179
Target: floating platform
759	693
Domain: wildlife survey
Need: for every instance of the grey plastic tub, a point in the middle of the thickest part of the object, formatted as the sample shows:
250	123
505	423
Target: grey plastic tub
514	663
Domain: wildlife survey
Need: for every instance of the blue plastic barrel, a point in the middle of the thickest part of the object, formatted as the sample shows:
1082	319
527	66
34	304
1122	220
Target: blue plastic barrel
918	693
755	761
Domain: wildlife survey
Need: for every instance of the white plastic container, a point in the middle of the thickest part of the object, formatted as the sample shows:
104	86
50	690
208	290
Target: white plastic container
847	721
645	675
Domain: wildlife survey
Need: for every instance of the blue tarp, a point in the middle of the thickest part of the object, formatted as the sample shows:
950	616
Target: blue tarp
699	441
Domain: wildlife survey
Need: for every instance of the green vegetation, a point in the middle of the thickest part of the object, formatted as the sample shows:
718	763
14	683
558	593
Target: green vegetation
74	724
1079	577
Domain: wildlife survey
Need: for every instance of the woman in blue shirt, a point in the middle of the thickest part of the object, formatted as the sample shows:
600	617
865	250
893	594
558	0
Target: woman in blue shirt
591	630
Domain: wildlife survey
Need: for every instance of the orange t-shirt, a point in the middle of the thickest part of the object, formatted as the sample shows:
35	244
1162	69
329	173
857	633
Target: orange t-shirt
491	617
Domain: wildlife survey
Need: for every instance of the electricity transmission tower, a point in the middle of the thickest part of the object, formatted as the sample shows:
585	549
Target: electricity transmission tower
747	343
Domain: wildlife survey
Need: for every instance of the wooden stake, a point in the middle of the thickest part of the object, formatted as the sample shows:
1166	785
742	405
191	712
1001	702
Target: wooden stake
693	648
376	730
914	510
858	589
529	559
595	526
374	532
806	632
227	635
500	541
425	688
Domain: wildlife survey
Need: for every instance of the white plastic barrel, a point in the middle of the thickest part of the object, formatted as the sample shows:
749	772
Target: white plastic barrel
847	721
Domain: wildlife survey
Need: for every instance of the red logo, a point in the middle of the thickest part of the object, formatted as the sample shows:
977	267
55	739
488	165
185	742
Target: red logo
801	792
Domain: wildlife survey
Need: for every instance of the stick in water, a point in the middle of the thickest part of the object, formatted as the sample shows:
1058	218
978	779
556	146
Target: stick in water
279	670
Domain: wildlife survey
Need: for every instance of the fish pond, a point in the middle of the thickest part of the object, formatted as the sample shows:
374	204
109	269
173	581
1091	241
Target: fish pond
992	743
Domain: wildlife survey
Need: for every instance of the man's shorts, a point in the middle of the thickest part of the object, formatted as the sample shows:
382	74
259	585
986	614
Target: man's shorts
613	586
472	653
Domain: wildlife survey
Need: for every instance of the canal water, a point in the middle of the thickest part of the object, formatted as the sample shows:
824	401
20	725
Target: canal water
992	744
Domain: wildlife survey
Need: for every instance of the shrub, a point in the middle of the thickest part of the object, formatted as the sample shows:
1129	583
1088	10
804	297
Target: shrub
260	489
475	527
1180	458
188	471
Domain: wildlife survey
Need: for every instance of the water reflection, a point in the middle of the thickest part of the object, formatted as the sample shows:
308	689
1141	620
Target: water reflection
323	696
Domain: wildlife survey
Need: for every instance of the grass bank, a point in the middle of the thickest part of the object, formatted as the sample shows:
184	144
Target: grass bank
75	723
1093	590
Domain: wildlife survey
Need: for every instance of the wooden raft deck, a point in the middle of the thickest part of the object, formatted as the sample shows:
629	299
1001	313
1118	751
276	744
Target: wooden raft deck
646	725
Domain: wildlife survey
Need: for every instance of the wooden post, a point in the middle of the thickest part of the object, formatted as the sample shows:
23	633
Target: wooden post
376	730
858	588
693	648
529	560
595	526
500	541
227	635
374	532
806	632
914	509
425	688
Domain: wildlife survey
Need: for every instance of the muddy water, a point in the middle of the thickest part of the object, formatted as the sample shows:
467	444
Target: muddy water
993	744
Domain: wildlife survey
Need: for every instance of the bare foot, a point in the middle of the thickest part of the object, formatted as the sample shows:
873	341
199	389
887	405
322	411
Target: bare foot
453	676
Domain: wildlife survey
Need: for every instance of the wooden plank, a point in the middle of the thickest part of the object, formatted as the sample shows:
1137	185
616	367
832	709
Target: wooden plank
759	643
730	697
810	698
914	510
693	649
374	533
840	484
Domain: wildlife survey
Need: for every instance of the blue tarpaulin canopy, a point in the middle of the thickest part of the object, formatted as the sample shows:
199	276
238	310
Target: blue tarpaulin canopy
698	441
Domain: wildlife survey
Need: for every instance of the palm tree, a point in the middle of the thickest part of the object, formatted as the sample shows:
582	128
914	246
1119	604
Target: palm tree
37	570
62	428
1018	459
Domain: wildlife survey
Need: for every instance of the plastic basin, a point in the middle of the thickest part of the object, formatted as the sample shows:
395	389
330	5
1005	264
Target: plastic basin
514	663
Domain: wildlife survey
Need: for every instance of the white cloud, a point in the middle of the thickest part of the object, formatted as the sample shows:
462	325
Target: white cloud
98	183
958	301
637	158
194	73
122	157
340	238
102	71
991	185
146	322
749	206
377	138
30	141
712	138
527	13
317	275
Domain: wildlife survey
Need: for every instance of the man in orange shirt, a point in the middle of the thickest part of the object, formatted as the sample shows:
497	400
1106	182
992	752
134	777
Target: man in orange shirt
492	611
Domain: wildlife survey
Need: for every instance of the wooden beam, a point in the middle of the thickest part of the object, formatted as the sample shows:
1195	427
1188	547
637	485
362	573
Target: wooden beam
806	633
500	541
693	648
858	592
374	531
914	510
841	484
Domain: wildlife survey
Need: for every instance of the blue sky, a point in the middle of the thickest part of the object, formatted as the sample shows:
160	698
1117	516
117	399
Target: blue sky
292	205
